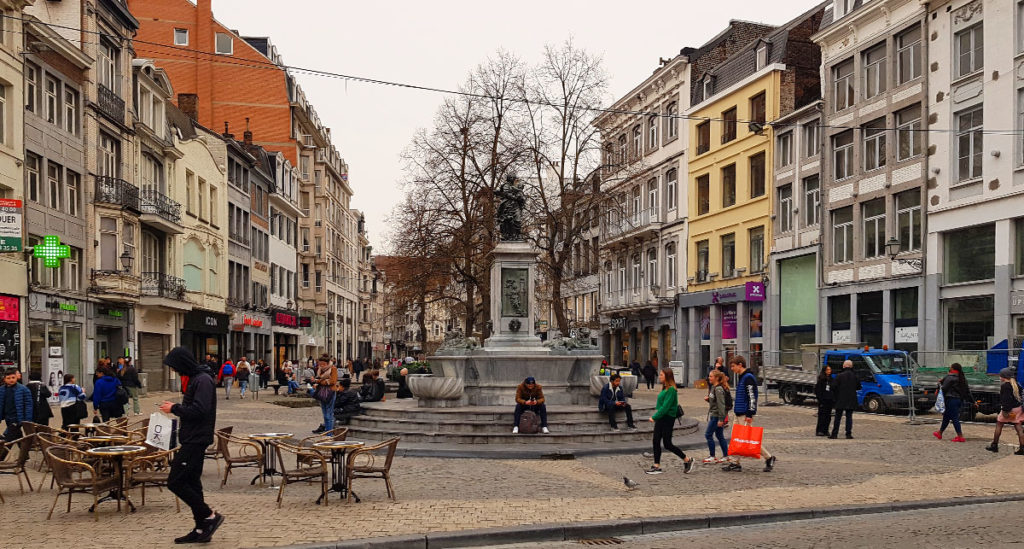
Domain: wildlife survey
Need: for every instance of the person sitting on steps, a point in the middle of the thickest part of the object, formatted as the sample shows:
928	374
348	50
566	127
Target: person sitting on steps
530	396
613	400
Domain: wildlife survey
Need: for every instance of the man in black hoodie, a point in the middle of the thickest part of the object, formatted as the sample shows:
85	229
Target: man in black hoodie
198	413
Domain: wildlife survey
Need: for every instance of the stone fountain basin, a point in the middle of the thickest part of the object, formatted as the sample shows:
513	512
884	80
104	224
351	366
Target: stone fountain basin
426	386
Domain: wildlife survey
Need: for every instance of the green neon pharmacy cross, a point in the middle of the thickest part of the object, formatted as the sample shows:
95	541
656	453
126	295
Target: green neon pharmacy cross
51	251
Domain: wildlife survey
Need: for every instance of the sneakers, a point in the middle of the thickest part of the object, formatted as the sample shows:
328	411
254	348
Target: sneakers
654	471
937	435
647	454
545	430
515	430
993	447
959	438
616	429
211	526
768	464
191	537
631	428
722	460
318	430
732	467
709	459
688	466
849	437
833	437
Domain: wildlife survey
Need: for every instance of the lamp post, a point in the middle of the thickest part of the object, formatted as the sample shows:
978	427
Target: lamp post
892	249
126	261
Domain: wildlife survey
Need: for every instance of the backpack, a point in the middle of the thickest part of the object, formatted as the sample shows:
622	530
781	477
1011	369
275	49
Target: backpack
728	400
228	370
529	423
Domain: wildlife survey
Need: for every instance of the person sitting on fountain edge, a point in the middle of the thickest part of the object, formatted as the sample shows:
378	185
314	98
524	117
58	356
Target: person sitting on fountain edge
612	400
530	396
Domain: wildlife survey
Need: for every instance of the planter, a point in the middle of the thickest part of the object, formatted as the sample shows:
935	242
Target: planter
427	387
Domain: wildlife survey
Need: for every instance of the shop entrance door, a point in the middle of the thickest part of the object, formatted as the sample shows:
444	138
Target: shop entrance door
152	349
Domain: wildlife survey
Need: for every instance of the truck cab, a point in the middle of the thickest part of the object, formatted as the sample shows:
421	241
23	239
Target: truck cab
884	383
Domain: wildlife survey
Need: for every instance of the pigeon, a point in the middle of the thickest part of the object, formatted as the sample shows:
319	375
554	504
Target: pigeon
629	483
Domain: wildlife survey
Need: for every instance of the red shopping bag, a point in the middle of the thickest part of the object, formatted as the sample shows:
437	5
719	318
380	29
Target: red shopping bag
746	441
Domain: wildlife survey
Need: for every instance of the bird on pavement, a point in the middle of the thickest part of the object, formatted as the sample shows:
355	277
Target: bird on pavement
629	483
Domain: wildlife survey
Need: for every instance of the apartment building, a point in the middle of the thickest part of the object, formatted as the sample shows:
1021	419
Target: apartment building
975	232
284	291
54	167
874	172
733	107
368	341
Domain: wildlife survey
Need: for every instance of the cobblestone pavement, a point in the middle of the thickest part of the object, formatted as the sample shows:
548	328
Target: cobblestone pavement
989	525
889	460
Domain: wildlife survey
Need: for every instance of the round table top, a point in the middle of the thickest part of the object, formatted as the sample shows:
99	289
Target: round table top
87	425
269	436
114	451
103	438
337	444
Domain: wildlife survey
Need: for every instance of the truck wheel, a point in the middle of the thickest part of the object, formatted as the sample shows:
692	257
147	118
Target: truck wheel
874	405
788	394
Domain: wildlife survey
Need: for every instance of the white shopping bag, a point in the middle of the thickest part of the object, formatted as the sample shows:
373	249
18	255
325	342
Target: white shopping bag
163	431
940	403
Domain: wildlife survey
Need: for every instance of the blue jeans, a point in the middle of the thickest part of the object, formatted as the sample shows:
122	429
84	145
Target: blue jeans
293	386
327	408
952	414
242	386
711	432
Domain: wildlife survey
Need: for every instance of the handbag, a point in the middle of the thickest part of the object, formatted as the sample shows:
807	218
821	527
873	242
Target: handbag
162	431
940	402
80	410
121	395
746	441
323	393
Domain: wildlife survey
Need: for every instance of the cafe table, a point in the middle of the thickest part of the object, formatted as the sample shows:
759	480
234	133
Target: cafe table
87	428
338	450
269	454
117	455
104	440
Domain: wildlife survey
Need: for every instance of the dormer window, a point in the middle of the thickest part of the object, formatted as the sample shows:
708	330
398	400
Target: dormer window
709	86
762	55
841	8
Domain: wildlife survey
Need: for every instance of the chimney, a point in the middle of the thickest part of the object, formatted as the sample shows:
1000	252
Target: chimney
188	103
227	134
247	135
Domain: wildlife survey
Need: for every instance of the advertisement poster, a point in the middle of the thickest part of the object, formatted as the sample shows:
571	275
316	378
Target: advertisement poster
729	322
705	323
756	320
53	376
10	334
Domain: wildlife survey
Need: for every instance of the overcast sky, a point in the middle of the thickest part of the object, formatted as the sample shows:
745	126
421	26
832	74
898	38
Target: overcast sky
436	43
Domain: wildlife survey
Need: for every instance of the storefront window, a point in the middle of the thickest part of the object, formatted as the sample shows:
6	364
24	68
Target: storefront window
905	304
970	254
1018	226
969	323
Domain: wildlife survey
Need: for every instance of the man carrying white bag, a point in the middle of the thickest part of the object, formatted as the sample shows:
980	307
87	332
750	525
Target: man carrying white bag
162	432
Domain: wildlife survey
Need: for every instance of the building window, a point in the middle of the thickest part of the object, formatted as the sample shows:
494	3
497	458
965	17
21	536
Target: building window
623	156
874	71
703	260
622	278
761	56
757	108
652	267
908	55
107	64
214	205
670	265
908	132
109	156
970	254
969	144
756	250
874	144
757	175
729	185
709	87
108	244
32	73
51	100
908	219
703	137
190	191
652	132
225	44
70	110
180	37
74	197
785	208
637	279
969	323
812	138
874	228
842	155
969	50
32	163
728	125
842	85
729	255
784	150
54	184
652	198
842	235
670	189
671	123
703	194
638	141
1018	255
812	200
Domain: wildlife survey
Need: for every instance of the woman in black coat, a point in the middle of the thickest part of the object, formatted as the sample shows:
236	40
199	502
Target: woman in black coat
826	396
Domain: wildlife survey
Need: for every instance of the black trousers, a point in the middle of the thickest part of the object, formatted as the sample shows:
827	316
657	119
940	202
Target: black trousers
824	417
185	480
611	415
663	435
849	422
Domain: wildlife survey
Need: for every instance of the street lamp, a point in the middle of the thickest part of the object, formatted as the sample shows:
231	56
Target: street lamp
126	261
892	249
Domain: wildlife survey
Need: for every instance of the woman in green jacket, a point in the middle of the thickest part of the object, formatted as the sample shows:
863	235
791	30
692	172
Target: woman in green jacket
664	417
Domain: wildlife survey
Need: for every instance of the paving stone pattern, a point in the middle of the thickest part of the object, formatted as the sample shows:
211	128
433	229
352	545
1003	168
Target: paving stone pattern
888	461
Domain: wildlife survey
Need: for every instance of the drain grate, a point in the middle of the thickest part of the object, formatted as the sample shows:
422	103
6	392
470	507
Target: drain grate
601	541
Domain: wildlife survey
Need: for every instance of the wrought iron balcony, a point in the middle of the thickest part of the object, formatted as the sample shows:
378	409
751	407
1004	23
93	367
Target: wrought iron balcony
110	104
112	190
155	202
162	285
634	224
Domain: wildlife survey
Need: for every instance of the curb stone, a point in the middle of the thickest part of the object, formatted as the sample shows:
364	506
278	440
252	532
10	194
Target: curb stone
596	529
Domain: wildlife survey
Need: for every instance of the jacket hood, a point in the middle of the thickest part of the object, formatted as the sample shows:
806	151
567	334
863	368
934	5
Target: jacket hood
181	360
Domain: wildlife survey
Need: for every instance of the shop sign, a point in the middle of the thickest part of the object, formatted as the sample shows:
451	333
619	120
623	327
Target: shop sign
10	225
202	321
305	321
841	336
617	323
755	291
10	334
285	319
54	304
112	313
1017	302
250	321
9	308
751	291
907	334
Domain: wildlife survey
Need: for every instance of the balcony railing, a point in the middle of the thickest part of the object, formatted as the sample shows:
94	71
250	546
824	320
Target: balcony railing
155	202
111	190
162	285
628	223
646	295
110	104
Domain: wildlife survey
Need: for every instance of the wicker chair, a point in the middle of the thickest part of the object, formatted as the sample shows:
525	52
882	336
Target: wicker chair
51	439
338	433
151	470
213	452
14	462
239	452
74	474
310	465
140	424
371	462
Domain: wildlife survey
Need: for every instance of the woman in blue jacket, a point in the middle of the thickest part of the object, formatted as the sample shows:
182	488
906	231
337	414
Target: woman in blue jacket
104	395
